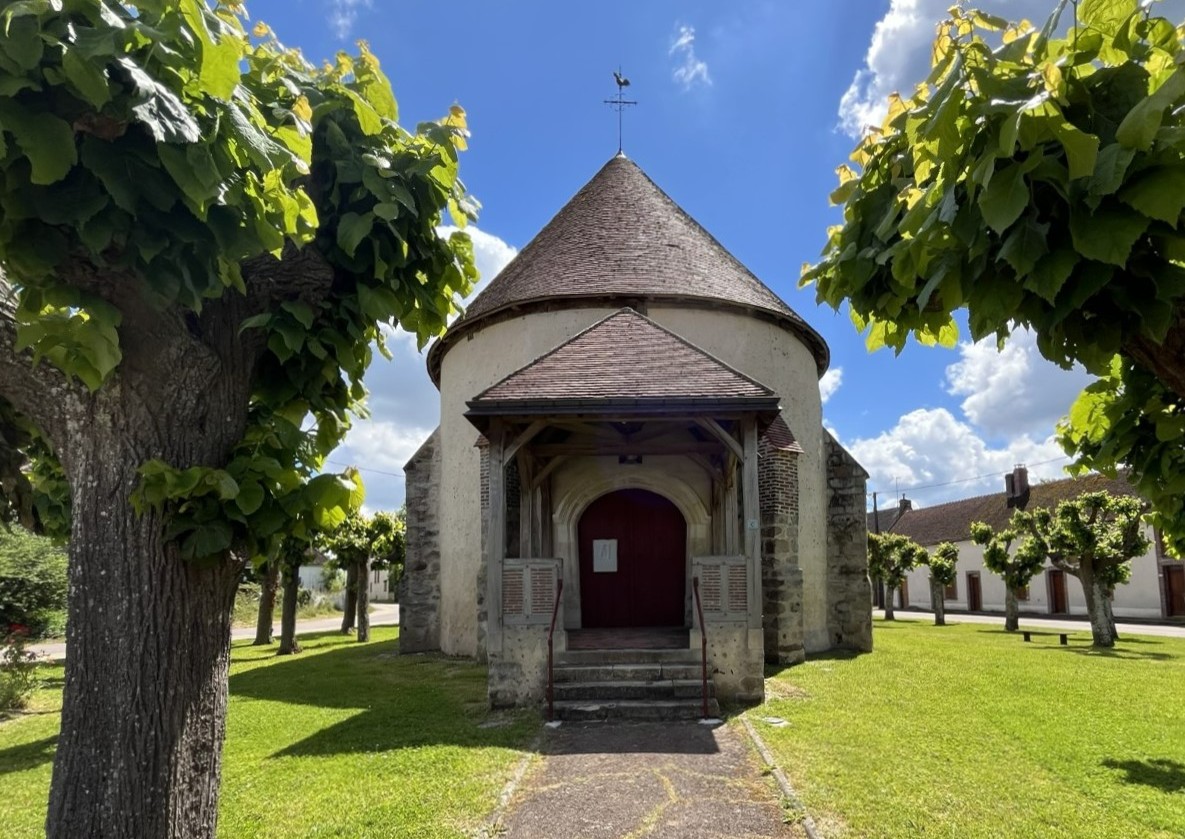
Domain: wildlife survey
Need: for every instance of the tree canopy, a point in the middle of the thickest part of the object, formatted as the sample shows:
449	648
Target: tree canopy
1037	178
891	556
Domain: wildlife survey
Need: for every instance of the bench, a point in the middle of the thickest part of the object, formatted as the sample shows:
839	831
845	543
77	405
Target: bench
1063	637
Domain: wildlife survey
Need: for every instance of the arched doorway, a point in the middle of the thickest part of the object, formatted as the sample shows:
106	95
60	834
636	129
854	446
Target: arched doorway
639	576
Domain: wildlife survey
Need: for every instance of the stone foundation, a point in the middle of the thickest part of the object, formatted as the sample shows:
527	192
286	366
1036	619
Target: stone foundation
849	593
419	588
518	674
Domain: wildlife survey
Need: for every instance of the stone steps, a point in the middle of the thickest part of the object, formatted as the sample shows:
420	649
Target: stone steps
633	709
648	685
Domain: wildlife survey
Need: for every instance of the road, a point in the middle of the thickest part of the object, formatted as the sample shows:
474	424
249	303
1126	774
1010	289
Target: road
1039	623
381	614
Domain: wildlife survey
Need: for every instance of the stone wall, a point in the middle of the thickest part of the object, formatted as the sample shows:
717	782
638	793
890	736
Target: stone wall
849	593
518	674
781	577
419	588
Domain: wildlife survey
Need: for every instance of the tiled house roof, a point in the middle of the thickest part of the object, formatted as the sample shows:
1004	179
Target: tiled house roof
780	437
624	357
952	522
622	239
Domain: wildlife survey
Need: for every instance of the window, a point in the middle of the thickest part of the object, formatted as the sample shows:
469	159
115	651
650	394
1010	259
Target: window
952	591
1022	593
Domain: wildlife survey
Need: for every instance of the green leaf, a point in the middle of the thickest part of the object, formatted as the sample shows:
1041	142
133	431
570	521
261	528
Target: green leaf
1106	235
21	41
1081	149
1005	198
1110	169
352	228
300	310
159	109
45	139
1051	272
1026	244
1157	193
207	540
1139	127
1107	15
90	80
218	72
250	497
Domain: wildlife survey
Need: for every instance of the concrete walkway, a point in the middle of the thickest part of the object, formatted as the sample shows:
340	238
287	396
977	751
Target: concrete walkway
610	780
1048	624
382	614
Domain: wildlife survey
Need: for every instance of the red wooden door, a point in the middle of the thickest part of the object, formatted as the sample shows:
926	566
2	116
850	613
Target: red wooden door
1057	592
650	537
1174	590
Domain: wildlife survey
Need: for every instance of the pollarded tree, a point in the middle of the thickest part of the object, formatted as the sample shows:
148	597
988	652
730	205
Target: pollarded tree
355	544
943	562
1017	568
200	234
1040	183
1093	537
891	557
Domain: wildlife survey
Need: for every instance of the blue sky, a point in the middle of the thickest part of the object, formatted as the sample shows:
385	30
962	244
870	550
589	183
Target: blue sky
745	109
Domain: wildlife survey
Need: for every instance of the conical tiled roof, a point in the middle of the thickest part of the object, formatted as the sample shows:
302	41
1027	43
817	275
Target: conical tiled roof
621	238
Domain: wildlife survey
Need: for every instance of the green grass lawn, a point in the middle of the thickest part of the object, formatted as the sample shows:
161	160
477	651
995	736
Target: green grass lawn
965	731
343	740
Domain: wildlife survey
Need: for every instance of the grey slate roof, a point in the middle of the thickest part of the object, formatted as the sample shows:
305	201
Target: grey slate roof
951	522
621	238
625	356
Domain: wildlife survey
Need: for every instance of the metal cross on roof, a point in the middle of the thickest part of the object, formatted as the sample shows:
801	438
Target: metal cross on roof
619	103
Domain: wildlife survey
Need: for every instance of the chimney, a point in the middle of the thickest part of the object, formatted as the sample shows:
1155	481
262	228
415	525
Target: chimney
1016	487
904	504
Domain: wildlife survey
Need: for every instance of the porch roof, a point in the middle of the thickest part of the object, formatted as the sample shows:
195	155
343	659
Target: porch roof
625	362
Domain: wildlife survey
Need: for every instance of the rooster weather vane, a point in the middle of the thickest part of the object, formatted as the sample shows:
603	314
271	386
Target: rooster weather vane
619	103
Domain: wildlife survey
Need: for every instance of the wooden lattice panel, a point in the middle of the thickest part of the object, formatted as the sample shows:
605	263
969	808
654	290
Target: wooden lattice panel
710	587
513	600
738	589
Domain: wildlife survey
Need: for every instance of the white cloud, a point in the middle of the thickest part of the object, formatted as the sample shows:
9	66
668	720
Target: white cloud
404	404
830	383
1015	390
898	56
344	13
930	446
689	68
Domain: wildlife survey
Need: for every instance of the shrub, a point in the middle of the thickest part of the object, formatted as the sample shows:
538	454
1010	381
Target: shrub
303	597
333	579
32	582
18	673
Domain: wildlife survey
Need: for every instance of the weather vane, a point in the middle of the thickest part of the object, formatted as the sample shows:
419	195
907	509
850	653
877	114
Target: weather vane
619	103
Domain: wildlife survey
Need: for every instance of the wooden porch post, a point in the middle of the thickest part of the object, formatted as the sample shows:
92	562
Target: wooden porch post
752	520
495	537
527	545
732	542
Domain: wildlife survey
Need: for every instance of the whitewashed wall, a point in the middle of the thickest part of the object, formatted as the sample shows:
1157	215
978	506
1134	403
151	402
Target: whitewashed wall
1140	598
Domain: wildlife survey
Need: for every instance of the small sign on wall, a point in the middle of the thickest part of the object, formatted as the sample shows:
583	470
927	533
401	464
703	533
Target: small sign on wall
604	556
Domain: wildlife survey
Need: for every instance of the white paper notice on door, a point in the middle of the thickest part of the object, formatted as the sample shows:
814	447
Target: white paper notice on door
604	556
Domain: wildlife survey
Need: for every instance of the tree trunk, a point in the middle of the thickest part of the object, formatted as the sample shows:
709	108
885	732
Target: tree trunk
288	644
350	606
1011	609
890	593
1109	603
144	703
1096	607
363	603
938	602
267	603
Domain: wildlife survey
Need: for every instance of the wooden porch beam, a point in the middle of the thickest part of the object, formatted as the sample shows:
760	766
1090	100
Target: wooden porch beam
521	440
546	471
593	449
717	430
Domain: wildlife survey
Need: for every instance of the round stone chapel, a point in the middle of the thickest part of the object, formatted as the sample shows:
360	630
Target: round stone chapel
631	448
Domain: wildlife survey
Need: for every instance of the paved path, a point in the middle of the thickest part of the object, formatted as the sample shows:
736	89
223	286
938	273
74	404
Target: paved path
655	780
1052	624
382	614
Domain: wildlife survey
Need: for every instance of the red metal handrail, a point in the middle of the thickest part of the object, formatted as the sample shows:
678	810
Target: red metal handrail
703	637
555	609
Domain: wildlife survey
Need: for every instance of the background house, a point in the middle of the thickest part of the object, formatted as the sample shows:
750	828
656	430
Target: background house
1156	588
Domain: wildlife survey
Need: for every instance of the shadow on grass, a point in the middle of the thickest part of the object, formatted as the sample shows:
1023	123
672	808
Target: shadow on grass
27	755
402	701
1111	652
772	670
1162	773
